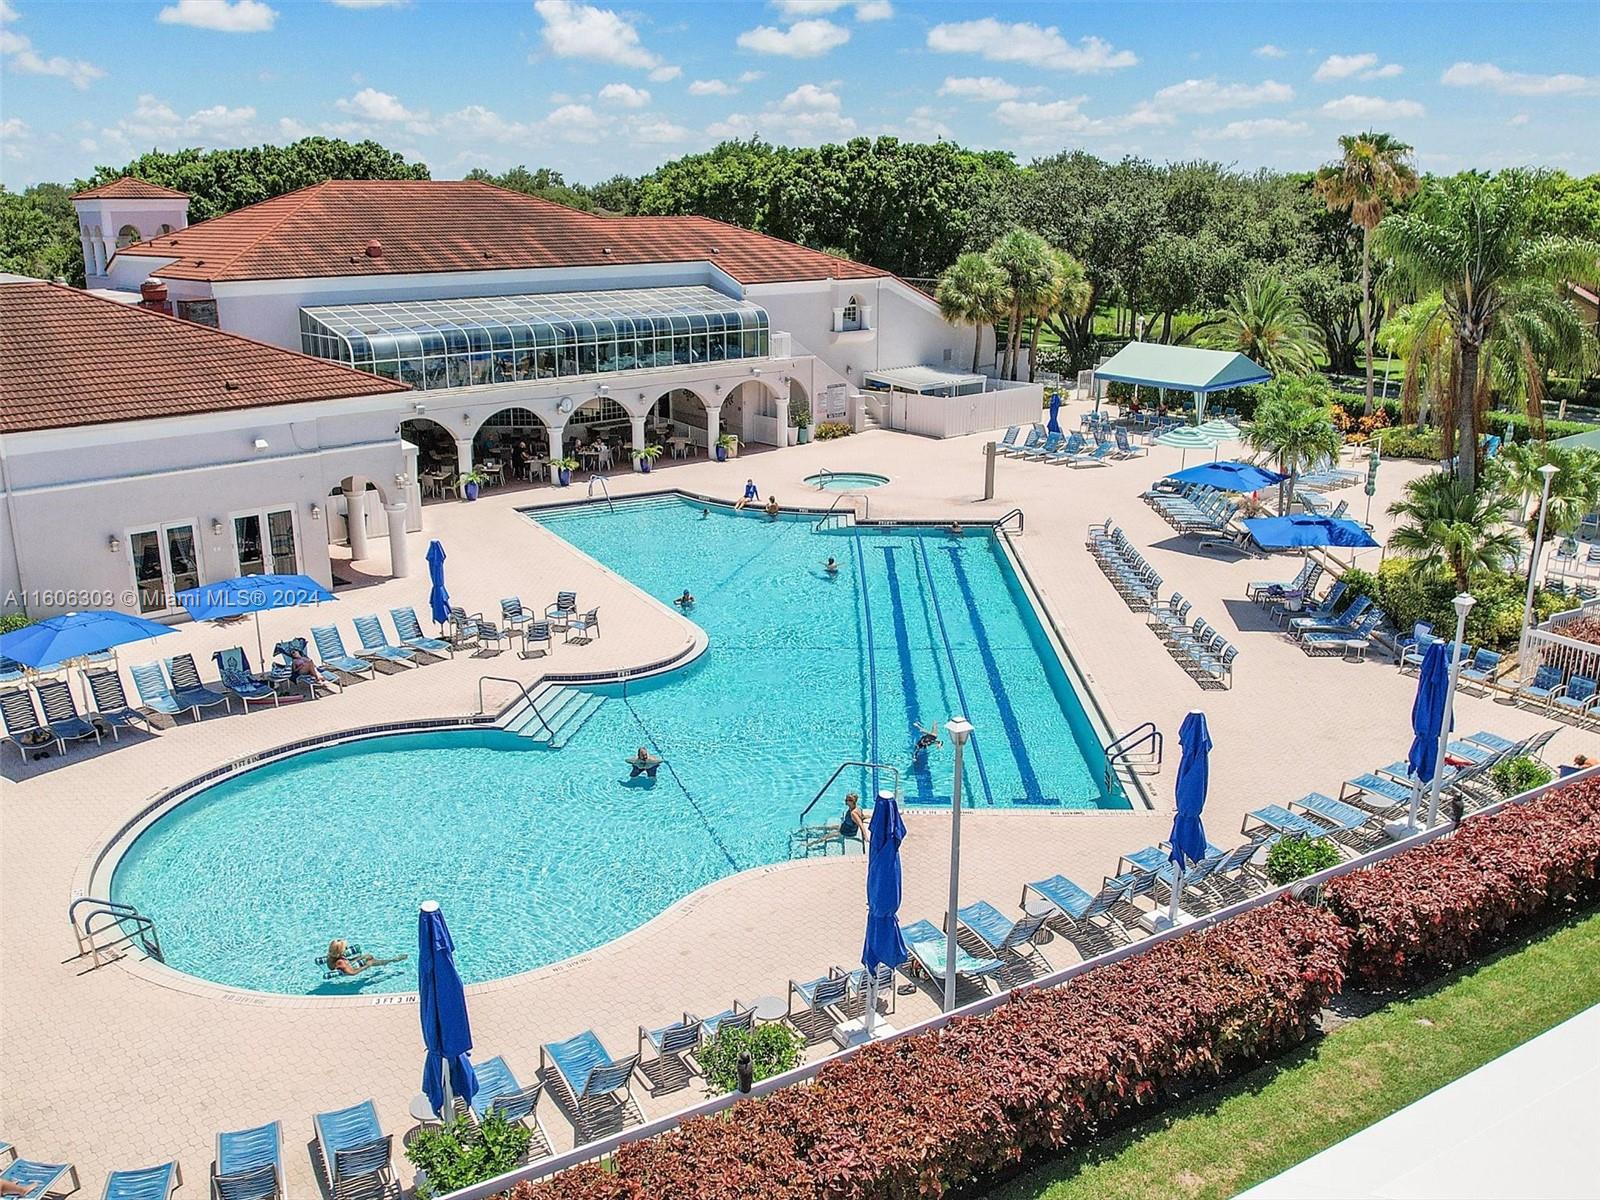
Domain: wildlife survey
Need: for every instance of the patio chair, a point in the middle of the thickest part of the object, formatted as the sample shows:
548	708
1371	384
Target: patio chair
41	1178
537	634
409	631
1236	877
1100	456
249	1164
486	633
669	1068
1372	791
592	1086
61	712
1324	622
283	656
1346	823
821	1000
354	1150
150	682
331	652
1052	443
854	1005
1547	680
234	669
145	1183
737	1017
1082	918
514	614
1334	640
375	644
930	950
21	721
463	627
998	936
187	689
111	705
586	625
500	1091
559	613
1576	699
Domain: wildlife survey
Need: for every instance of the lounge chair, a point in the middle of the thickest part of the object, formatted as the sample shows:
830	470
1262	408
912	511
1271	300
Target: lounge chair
1547	681
586	625
1007	439
11	671
1100	456
1371	791
61	712
737	1017
1256	589
234	668
187	689
1017	450
375	644
150	682
1083	919
249	1164
355	1151
1276	817
21	720
500	1091
1046	449
330	649
998	936
146	1183
41	1178
1152	871
1325	623
820	999
591	1085
1236	878
1576	699
1333	641
930	950
514	613
111	705
283	656
409	631
669	1068
536	636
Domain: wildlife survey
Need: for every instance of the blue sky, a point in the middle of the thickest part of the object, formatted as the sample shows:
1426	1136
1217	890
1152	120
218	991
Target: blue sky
593	89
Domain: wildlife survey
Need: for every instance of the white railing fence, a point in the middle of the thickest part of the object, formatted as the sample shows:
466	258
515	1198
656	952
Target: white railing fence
1547	646
603	1147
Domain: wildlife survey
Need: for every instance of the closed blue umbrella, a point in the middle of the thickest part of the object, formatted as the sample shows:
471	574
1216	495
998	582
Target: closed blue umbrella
884	946
1285	533
1054	424
1427	714
447	1071
438	598
1230	475
253	594
55	640
1188	837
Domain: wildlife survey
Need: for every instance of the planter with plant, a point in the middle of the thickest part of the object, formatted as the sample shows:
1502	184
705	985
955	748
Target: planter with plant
727	447
645	457
456	1155
1520	775
471	483
829	430
1294	858
803	424
773	1048
564	467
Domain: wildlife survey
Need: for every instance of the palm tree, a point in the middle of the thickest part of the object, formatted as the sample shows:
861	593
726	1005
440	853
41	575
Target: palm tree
1574	489
1069	295
1474	240
1450	524
1295	434
1265	322
970	292
1029	267
1372	173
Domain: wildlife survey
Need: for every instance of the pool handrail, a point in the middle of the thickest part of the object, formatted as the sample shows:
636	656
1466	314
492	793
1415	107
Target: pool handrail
1021	517
837	771
523	689
866	508
604	487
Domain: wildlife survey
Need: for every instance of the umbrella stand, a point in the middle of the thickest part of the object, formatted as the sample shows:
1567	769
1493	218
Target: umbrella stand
1174	915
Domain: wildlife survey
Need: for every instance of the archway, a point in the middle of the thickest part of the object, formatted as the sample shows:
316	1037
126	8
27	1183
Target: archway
800	402
127	236
513	438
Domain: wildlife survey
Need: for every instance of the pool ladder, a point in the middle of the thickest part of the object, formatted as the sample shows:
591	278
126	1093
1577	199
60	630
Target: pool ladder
605	489
845	518
806	840
1138	752
126	921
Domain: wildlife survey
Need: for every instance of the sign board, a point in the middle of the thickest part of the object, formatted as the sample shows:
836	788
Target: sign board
836	402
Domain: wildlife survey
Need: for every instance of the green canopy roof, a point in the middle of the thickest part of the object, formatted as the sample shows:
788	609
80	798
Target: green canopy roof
1181	368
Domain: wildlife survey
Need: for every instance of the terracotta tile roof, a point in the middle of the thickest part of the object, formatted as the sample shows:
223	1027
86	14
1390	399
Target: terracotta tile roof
129	188
69	358
443	225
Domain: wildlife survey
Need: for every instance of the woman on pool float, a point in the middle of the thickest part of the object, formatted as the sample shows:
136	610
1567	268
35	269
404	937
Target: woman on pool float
342	961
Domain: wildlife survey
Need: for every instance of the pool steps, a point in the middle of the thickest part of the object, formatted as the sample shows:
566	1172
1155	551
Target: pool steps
552	714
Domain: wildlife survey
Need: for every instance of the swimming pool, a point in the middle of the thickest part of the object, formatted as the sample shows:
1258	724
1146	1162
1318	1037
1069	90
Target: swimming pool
538	854
846	481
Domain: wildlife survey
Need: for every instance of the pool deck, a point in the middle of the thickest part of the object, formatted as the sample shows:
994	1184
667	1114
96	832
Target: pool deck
125	1066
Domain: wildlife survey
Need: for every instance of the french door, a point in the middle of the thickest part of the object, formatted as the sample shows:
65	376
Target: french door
264	542
164	563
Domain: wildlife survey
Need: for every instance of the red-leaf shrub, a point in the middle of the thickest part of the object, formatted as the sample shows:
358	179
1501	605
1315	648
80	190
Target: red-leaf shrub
1431	909
918	1115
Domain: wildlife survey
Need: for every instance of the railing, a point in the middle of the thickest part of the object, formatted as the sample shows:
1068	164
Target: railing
1140	749
521	688
1548	646
839	770
866	508
605	488
117	916
1016	513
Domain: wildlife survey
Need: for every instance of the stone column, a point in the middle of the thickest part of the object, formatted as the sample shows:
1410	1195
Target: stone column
713	428
399	550
355	506
638	436
556	450
463	455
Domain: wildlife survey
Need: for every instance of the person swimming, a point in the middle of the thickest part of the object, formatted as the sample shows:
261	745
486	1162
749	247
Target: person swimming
704	513
686	600
341	960
751	492
643	763
927	739
955	530
831	567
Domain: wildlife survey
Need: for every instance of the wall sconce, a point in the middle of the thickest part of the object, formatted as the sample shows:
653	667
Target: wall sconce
261	443
216	527
399	479
316	512
419	409
755	370
114	544
466	418
604	389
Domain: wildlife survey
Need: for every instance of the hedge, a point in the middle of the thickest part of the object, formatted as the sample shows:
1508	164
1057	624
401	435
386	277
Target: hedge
1429	910
1049	1069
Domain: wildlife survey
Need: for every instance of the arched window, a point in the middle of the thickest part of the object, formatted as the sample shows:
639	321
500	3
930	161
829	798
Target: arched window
127	236
164	230
852	314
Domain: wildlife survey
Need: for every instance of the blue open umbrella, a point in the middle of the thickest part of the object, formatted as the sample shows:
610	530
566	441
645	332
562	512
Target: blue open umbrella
884	945
1284	533
1054	424
447	1072
438	598
252	594
1229	475
1427	714
1188	837
55	640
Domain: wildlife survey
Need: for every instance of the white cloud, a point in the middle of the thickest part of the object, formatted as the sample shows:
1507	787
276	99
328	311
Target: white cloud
1026	42
1518	83
1271	51
1520	119
711	87
624	95
979	87
874	10
1249	131
803	39
574	122
482	124
924	125
809	115
22	58
865	10
7	13
220	16
1371	108
808	97
369	3
1206	96
292	130
1355	66
573	30
658	131
665	74
751	76
372	105
1043	120
154	122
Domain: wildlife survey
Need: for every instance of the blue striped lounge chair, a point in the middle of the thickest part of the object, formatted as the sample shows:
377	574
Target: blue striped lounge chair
998	936
409	631
1258	587
821	1000
1333	641
1009	438
111	705
330	649
1576	699
41	1178
1083	919
737	1017
499	1090
1498	743
1372	791
536	639
144	1183
283	668
1236	878
1152	871
150	683
61	712
1279	818
11	671
514	613
355	1151
1547	680
375	643
668	1068
591	1085
187	689
249	1164
21	723
234	668
1100	456
1324	621
1029	443
930	948
1481	670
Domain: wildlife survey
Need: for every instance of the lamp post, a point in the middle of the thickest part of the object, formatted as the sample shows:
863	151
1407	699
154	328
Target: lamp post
1463	605
1549	471
960	729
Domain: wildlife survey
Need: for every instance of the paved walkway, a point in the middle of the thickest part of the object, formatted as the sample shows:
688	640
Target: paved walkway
123	1067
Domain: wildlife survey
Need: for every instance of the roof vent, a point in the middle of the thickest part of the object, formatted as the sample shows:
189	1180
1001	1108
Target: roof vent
374	249
606	250
714	250
230	386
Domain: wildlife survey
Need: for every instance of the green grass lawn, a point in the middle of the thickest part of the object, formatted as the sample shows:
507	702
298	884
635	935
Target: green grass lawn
1236	1136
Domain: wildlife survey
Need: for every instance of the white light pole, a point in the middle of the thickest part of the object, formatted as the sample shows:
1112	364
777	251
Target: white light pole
960	729
1463	605
1549	471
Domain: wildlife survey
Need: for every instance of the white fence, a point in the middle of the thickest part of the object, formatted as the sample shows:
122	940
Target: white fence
1547	647
955	416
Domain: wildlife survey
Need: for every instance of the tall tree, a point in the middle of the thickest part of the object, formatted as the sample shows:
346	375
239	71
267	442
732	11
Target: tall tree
971	292
1475	240
1448	523
1266	323
1371	174
1028	264
1293	432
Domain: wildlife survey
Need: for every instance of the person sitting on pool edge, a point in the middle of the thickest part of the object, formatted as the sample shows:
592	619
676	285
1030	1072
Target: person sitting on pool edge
771	508
341	960
751	492
685	601
854	822
643	763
